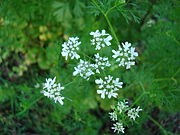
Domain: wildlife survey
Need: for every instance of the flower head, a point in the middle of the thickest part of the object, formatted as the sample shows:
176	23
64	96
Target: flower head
125	55
133	113
53	90
70	48
100	39
118	127
101	62
108	86
84	69
113	116
121	114
122	106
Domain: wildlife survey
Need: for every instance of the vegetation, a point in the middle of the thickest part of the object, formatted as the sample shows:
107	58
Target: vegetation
31	36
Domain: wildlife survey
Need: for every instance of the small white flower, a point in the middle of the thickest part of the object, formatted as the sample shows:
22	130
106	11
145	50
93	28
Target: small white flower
52	90
84	69
113	116
125	55
133	113
100	39
101	63
70	48
118	127
108	86
122	106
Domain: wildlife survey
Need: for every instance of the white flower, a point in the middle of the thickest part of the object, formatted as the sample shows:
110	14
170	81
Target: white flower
113	116
70	47
122	106
125	55
84	69
101	63
100	39
118	127
108	86
133	113
52	90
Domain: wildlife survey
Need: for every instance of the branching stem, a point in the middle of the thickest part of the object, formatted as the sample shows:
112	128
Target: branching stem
107	19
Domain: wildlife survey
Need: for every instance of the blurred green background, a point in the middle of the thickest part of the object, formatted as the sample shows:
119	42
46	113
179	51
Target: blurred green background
31	34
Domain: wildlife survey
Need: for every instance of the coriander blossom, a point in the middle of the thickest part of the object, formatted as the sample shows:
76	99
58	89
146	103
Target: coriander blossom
101	62
133	113
113	116
122	106
52	90
118	127
70	48
84	69
100	39
108	86
125	55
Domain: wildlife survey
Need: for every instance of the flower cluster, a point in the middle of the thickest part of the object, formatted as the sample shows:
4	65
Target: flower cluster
118	127
108	86
122	106
125	55
84	69
101	62
123	113
100	39
134	113
70	47
52	90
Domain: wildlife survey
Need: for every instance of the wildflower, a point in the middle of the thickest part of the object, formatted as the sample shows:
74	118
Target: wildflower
100	39
118	127
122	113
108	86
84	69
52	90
125	55
101	62
70	47
133	113
113	116
122	106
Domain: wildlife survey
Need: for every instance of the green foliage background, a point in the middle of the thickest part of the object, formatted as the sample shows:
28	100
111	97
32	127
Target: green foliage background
31	34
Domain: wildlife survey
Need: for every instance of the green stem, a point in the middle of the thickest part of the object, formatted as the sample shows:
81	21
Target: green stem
143	93
158	124
176	72
71	82
108	21
111	28
109	10
139	98
27	108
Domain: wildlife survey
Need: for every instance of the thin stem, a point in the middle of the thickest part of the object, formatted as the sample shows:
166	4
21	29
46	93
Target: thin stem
27	108
159	125
142	87
71	82
173	38
176	72
138	99
143	93
111	28
87	56
108	21
162	79
109	10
